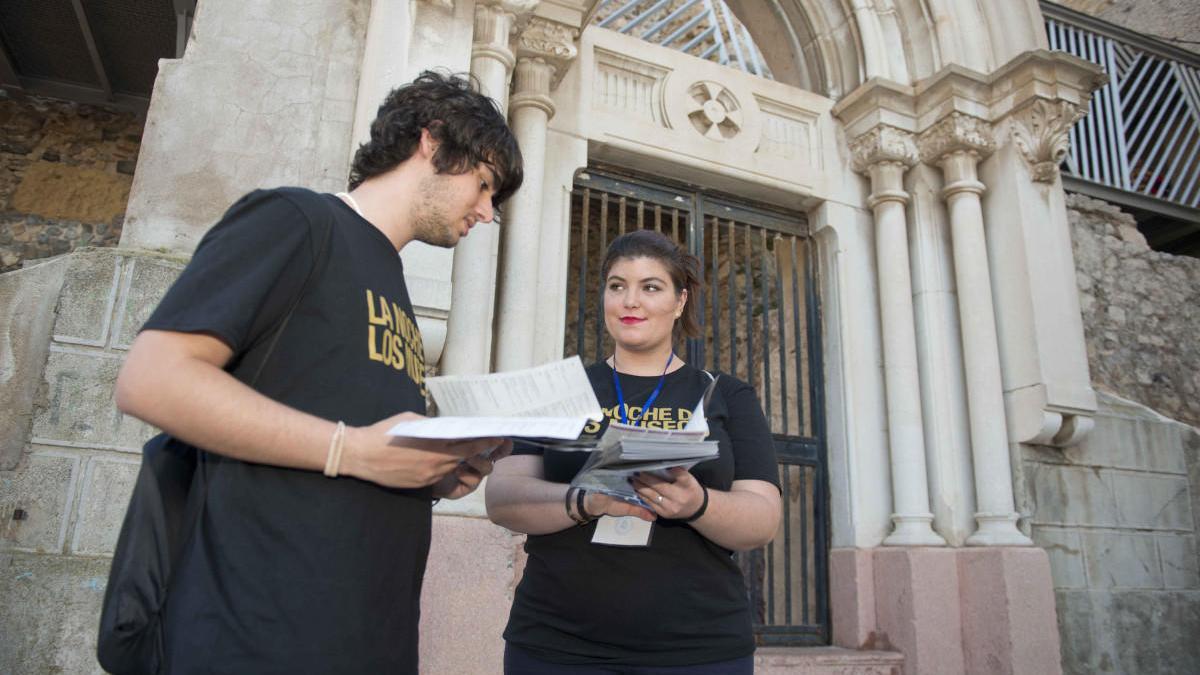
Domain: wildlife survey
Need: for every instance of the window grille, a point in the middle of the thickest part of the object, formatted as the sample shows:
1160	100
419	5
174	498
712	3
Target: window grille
706	29
1139	145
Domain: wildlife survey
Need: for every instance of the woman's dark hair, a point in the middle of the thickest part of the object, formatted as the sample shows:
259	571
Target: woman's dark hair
683	267
466	124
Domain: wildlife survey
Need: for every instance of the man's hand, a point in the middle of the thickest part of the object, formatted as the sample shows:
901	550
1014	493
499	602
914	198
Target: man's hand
467	476
371	454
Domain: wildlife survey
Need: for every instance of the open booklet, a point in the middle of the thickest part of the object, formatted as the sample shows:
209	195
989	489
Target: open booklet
626	449
551	401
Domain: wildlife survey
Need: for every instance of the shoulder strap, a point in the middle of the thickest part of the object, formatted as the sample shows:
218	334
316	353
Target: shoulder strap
318	260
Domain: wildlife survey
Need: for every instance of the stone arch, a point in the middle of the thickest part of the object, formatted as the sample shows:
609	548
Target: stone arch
832	46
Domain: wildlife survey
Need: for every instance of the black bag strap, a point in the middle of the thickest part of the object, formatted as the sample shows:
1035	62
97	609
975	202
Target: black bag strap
318	260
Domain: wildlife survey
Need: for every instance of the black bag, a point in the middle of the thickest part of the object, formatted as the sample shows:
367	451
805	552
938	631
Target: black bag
167	500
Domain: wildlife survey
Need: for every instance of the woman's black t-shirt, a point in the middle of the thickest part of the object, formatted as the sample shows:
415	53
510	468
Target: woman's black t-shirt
679	601
290	571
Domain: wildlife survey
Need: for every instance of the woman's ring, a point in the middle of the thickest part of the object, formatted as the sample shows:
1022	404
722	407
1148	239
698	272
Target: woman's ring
658	499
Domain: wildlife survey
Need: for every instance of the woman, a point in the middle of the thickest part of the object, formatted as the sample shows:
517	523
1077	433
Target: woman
669	597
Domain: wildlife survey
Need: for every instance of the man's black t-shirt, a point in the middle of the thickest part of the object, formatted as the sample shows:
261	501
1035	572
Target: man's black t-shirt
679	601
290	571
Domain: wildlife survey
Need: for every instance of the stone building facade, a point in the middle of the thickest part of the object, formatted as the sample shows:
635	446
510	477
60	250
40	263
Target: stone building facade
992	507
67	172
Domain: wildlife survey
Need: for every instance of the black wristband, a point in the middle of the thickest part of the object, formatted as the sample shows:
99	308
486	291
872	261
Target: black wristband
567	503
703	507
585	517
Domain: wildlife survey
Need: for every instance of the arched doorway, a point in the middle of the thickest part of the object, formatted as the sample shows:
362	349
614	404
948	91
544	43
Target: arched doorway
761	323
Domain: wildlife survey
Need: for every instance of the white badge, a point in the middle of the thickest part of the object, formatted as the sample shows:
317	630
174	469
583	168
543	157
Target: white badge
622	531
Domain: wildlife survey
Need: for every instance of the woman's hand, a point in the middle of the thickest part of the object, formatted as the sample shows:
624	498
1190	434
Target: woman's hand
597	504
677	498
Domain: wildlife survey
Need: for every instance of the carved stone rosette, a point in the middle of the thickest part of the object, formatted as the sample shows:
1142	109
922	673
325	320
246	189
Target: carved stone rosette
883	144
956	132
550	41
1041	133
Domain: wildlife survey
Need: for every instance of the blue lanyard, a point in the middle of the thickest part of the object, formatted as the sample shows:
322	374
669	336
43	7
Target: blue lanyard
650	401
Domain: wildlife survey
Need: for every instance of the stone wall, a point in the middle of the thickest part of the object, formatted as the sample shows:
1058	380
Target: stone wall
1118	514
67	169
1174	21
1118	517
68	473
1140	311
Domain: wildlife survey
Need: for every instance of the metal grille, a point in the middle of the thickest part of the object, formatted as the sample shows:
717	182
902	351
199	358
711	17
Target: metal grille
761	324
706	29
1142	131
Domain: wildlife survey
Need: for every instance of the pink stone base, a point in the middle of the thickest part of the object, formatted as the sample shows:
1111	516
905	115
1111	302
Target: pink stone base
468	590
852	599
1008	612
972	610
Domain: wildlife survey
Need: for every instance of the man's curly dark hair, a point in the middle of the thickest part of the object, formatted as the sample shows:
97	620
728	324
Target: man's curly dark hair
466	124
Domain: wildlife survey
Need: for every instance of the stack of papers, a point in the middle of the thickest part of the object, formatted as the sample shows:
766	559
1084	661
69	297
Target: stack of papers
624	450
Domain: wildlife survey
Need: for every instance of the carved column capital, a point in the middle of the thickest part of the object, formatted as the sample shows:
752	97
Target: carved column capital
883	144
494	23
551	43
956	132
517	8
532	83
1041	132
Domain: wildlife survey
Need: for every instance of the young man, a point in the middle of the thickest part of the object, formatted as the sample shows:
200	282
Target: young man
311	547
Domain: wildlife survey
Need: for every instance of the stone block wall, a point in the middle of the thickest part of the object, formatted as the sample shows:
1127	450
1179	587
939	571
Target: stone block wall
67	170
1141	311
64	489
1118	516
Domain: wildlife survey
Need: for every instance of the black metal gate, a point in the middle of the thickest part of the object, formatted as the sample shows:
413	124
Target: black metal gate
762	324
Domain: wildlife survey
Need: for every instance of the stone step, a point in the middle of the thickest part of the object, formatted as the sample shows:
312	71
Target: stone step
826	661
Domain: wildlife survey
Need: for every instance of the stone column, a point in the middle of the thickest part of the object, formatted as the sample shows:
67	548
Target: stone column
884	154
544	50
939	353
469	331
957	143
